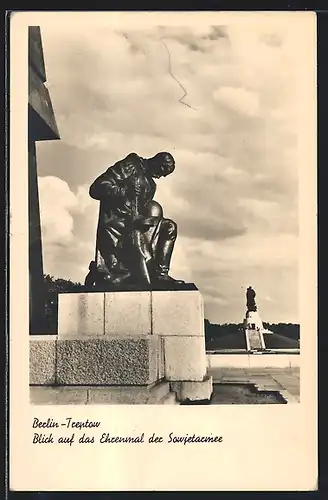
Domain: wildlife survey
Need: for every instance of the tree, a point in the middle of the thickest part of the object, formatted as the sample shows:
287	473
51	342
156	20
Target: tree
59	284
217	335
53	286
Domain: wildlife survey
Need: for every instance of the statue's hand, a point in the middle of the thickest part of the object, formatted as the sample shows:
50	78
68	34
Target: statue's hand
138	222
151	221
144	223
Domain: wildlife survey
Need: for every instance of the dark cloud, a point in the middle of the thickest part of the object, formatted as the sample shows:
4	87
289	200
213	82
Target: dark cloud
133	47
216	33
194	47
211	229
192	42
195	42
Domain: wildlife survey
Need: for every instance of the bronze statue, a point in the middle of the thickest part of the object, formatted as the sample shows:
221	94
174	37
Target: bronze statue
134	240
250	298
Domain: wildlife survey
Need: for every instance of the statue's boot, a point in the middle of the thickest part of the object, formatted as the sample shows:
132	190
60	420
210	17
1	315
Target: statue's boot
164	255
113	274
163	276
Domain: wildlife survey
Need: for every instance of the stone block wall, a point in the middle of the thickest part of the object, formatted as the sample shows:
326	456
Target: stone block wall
95	360
176	317
124	339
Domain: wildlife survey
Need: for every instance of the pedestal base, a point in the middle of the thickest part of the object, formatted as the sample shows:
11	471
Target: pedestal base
130	361
194	391
158	393
134	339
165	313
253	328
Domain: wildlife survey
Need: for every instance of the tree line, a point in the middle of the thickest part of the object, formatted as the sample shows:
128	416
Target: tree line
52	286
213	331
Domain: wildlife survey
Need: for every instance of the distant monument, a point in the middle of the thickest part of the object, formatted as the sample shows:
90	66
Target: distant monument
253	326
134	240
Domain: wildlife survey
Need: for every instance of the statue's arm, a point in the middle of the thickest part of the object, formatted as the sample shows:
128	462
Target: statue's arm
106	186
112	183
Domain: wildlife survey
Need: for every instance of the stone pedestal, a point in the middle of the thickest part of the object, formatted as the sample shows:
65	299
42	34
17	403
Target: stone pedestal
253	321
193	391
253	328
116	339
105	360
159	393
185	358
104	313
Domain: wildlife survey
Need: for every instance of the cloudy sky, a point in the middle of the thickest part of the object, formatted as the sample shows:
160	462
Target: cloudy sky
234	136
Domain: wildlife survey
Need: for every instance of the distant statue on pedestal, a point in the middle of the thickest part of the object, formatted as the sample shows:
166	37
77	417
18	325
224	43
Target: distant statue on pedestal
134	241
250	300
253	325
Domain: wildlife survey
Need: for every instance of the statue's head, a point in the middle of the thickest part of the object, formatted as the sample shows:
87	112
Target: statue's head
161	165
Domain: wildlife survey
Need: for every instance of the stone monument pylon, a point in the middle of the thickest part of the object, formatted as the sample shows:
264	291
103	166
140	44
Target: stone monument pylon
253	325
42	126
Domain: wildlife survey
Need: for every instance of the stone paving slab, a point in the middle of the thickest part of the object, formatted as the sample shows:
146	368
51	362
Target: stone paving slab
294	391
267	382
44	395
91	395
286	380
235	380
228	372
290	398
295	371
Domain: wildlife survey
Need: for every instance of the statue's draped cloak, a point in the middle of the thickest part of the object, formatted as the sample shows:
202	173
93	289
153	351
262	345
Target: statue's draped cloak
123	191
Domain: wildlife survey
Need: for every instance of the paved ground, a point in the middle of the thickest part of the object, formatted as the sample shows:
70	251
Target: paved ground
284	380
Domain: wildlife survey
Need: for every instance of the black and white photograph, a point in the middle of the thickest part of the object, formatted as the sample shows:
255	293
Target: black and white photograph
163	215
165	200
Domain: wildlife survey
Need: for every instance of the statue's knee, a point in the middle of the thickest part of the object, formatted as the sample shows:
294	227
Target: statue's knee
154	209
171	228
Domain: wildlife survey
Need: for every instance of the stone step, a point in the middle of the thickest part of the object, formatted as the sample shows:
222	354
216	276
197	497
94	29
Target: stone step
158	392
99	395
254	339
130	394
169	399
